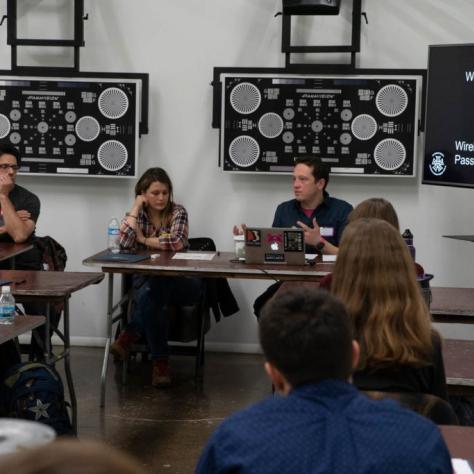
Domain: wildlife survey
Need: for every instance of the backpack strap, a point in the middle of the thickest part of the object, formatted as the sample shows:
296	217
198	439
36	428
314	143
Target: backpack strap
13	379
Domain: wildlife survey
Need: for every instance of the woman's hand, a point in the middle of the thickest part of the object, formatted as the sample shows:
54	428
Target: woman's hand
139	204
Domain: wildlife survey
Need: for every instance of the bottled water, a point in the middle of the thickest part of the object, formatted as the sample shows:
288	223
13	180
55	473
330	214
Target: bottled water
113	235
408	238
7	306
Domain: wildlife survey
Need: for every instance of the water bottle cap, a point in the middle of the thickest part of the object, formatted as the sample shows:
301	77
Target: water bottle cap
6	289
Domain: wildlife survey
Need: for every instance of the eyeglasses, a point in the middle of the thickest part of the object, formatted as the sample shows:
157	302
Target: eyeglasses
5	166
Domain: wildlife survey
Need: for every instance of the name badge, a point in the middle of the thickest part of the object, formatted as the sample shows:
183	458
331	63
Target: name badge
326	231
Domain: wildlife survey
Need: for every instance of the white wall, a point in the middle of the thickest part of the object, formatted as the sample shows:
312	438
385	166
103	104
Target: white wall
178	43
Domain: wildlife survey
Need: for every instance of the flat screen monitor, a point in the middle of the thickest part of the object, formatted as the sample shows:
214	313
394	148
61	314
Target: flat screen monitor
449	144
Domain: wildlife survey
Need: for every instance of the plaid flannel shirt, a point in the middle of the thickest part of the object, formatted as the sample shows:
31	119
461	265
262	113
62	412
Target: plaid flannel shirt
170	236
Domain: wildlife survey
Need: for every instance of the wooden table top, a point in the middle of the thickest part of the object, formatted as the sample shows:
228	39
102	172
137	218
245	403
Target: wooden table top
460	441
452	305
223	265
458	359
27	283
21	324
10	250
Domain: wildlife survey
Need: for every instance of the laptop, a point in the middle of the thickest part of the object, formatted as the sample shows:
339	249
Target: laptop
274	245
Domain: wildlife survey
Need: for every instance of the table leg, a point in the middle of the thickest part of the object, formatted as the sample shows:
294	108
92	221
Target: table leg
47	338
110	310
67	366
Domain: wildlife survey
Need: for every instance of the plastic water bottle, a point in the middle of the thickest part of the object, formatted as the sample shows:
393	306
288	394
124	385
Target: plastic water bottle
7	306
408	238
113	235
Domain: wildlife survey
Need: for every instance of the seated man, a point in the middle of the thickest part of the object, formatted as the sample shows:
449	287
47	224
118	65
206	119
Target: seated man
322	217
319	423
19	211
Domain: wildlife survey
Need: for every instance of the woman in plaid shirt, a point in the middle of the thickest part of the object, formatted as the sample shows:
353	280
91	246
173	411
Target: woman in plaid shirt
155	222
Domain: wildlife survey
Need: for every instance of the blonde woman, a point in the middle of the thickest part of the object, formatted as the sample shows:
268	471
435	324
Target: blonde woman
375	278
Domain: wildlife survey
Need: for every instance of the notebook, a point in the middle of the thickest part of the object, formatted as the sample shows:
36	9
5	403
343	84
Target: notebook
122	257
274	245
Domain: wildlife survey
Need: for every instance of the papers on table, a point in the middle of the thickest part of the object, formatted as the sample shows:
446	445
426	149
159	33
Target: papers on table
309	257
193	256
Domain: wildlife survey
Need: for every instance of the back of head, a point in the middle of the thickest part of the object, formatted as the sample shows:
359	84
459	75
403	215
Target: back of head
70	456
320	170
378	208
375	278
307	335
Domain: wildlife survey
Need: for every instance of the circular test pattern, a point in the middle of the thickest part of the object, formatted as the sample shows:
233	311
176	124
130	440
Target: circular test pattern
87	128
391	100
113	103
244	151
390	154
245	98
112	155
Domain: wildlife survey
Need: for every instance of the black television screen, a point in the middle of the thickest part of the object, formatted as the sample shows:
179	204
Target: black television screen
449	144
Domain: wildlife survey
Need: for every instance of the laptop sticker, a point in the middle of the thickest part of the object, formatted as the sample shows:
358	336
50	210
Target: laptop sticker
275	241
275	258
253	238
293	241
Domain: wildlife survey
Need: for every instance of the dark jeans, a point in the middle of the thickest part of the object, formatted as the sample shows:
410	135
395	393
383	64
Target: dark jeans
150	317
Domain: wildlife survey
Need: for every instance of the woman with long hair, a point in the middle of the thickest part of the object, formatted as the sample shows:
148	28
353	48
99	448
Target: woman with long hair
375	277
378	208
155	222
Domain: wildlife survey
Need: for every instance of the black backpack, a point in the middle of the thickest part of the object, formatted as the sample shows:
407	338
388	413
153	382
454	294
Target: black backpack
52	252
34	391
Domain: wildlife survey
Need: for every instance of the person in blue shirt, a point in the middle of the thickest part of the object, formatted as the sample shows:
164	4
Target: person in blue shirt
318	422
322	217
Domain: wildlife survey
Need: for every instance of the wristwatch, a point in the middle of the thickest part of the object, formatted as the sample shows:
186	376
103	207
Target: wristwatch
320	245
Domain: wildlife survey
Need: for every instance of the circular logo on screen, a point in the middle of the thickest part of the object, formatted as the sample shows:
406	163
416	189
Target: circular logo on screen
437	165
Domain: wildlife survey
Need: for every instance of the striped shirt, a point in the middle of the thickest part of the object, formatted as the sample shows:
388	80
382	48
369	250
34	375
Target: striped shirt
171	236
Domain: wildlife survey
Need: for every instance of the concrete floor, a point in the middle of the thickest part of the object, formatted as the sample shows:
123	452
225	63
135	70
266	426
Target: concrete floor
164	428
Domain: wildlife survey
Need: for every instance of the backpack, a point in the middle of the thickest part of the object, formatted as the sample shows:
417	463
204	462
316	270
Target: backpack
34	391
52	253
54	258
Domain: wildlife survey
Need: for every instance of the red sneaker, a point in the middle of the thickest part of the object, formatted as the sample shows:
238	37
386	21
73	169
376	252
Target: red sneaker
120	348
161	374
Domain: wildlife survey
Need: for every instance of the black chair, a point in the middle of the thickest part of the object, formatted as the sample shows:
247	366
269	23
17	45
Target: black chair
435	408
187	323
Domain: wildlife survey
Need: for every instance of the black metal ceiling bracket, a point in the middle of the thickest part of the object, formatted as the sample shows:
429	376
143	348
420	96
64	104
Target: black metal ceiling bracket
14	41
352	48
